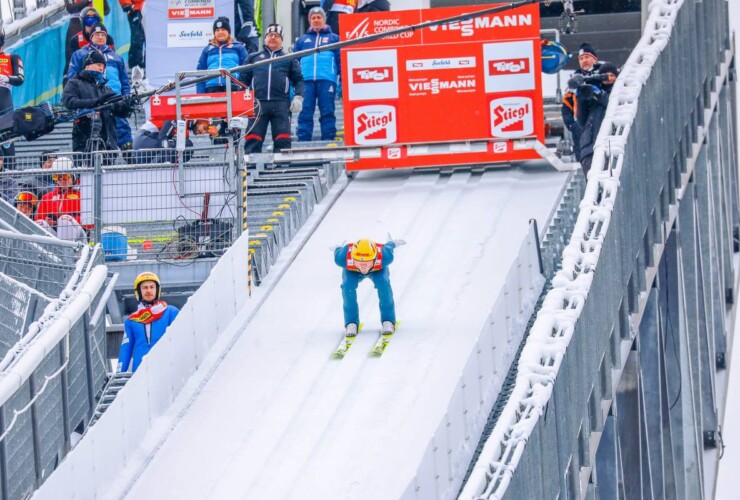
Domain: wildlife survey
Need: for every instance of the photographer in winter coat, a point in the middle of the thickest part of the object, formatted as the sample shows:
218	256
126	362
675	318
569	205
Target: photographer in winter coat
88	91
592	99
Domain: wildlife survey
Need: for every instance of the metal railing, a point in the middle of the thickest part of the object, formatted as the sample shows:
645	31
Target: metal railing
153	209
50	375
600	406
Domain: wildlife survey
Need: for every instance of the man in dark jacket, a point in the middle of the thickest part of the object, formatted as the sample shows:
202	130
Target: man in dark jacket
592	101
96	130
588	65
271	86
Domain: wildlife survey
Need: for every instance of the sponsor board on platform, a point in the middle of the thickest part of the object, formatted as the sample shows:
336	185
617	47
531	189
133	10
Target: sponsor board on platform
373	74
376	124
509	66
512	117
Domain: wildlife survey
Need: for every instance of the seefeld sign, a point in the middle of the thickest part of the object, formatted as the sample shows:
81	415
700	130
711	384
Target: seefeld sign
193	34
457	82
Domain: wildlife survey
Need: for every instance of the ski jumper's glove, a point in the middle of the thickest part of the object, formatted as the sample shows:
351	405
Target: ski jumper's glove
297	104
334	248
398	242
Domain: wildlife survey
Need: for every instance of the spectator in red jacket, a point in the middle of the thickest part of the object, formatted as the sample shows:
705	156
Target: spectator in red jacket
136	54
59	211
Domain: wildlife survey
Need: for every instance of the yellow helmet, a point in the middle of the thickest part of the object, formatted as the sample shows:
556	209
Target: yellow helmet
364	250
146	276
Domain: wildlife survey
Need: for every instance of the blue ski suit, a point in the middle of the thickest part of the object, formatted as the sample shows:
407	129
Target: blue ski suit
380	278
137	344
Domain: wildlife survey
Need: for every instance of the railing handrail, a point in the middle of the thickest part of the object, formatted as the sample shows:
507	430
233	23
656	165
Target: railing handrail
532	391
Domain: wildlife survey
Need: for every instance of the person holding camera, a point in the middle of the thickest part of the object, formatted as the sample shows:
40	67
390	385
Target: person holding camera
588	65
88	90
592	98
115	73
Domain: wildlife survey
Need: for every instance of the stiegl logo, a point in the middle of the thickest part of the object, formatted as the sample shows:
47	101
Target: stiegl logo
508	67
375	124
511	117
365	75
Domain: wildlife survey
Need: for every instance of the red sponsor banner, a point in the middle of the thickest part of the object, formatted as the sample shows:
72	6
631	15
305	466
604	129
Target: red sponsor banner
191	13
471	81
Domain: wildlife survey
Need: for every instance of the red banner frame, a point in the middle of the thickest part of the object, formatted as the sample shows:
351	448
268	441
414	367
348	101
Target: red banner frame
475	80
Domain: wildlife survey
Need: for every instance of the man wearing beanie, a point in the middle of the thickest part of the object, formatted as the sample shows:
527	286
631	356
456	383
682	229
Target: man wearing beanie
271	86
588	65
320	71
223	52
592	100
87	90
115	72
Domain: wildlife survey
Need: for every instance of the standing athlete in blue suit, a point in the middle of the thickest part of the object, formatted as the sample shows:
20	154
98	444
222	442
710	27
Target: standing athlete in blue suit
147	325
367	259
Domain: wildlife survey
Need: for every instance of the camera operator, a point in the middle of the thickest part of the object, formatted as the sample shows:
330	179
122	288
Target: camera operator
88	91
592	99
588	65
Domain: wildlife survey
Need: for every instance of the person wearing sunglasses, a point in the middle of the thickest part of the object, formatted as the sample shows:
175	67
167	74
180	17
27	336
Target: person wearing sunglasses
59	211
78	33
25	203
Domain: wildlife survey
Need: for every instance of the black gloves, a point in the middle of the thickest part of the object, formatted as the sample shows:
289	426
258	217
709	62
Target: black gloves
106	97
586	91
576	81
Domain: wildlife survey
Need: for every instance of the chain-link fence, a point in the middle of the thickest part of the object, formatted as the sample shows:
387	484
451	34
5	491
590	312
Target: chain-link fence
160	208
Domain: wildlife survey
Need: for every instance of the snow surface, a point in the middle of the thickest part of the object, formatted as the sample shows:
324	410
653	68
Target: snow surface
279	419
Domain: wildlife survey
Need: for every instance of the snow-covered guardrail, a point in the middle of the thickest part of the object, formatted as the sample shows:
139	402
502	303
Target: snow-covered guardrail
551	334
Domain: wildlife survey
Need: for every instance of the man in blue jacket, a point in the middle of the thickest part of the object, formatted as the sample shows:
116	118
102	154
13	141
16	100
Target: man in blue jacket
115	73
367	259
147	325
223	52
320	72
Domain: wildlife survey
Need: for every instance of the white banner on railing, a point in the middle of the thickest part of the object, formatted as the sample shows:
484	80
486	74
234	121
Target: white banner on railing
177	32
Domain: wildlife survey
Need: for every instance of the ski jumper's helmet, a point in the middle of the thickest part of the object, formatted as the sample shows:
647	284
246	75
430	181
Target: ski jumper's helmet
364	250
141	278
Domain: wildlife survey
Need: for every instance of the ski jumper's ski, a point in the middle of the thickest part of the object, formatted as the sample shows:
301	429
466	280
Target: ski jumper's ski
345	344
382	343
